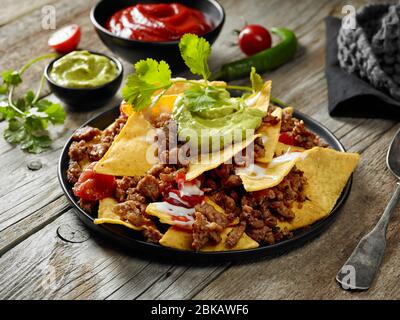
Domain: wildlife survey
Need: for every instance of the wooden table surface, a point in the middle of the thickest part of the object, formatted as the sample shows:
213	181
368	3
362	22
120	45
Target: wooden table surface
35	263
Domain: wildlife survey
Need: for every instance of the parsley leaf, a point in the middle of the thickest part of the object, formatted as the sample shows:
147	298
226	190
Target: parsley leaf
195	52
150	77
256	80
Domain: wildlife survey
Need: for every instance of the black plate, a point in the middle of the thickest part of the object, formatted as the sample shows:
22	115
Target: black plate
133	239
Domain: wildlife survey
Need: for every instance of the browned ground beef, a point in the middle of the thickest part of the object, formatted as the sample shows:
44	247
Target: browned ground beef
77	150
132	211
74	171
269	119
85	133
124	185
235	235
205	231
148	186
302	136
259	150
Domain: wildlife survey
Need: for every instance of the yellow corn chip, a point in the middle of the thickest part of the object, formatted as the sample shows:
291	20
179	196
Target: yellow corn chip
282	148
179	239
132	153
261	99
215	159
327	172
263	176
106	214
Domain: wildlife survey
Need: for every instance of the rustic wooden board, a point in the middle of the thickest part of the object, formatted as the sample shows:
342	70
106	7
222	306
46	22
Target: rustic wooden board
36	263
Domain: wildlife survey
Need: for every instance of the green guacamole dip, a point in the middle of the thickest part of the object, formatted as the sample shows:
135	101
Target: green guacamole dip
215	124
82	69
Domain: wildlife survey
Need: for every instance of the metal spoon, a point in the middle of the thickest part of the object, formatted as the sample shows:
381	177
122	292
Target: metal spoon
359	270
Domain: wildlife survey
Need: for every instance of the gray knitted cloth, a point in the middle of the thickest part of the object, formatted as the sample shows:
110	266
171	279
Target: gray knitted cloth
372	50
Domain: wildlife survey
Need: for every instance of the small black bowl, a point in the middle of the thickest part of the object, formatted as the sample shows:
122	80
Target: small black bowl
86	98
134	50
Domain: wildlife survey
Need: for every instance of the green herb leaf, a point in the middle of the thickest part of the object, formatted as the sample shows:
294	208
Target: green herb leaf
7	113
195	52
11	77
54	112
27	119
150	77
153	72
29	97
36	144
15	132
3	89
256	80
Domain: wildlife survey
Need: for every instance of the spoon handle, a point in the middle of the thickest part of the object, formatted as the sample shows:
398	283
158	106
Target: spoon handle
359	270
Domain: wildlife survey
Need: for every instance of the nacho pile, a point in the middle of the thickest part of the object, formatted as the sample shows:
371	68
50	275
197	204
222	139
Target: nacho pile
253	192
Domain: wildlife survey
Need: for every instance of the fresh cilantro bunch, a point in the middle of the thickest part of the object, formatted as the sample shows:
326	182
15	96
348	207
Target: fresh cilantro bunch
152	79
28	117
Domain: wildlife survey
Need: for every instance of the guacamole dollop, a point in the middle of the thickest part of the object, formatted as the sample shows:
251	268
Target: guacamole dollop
82	69
211	117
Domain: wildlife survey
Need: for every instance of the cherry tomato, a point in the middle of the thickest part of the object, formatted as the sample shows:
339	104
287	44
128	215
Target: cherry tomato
65	39
254	38
286	139
93	186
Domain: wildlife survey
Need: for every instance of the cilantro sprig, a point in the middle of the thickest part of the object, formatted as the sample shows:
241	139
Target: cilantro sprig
29	116
152	79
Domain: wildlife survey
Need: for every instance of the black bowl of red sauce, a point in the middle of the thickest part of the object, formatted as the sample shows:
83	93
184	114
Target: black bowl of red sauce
136	30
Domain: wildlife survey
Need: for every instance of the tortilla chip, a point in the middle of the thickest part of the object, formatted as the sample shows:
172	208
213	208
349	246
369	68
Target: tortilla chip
261	99
132	153
304	216
217	158
282	148
158	210
327	172
106	214
263	176
270	137
180	239
177	238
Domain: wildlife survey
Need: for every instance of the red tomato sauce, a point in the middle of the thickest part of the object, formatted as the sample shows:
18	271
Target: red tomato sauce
157	22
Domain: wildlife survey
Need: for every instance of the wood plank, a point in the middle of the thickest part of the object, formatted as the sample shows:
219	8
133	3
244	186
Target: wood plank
12	9
22	229
94	269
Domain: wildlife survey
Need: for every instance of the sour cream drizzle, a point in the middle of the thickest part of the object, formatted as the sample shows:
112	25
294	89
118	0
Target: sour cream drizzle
190	189
174	210
258	172
286	157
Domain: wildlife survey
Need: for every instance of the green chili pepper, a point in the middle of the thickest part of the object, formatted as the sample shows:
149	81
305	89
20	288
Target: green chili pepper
263	61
